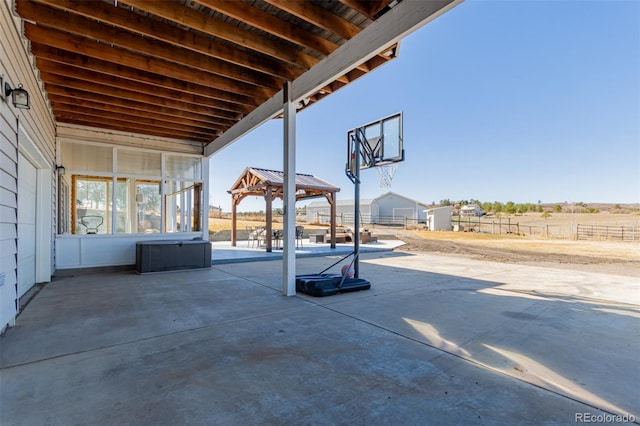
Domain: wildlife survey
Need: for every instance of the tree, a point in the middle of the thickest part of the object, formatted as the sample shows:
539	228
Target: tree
510	207
557	208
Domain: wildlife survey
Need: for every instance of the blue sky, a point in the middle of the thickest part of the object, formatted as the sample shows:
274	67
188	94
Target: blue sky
502	101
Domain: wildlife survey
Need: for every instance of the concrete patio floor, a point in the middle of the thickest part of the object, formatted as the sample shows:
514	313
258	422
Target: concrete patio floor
223	252
437	340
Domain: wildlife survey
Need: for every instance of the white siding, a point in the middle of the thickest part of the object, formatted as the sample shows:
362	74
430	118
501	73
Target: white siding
27	183
395	205
402	206
439	219
16	66
8	218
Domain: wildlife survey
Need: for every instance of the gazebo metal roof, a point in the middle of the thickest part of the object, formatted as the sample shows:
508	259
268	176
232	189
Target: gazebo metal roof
257	181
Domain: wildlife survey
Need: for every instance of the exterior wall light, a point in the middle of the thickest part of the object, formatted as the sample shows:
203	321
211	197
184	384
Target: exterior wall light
19	96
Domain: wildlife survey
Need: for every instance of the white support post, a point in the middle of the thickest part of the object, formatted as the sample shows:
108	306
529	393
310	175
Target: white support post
289	196
114	193
205	199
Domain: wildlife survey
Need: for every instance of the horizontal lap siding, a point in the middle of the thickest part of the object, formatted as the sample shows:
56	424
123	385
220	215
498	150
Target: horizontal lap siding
16	66
8	219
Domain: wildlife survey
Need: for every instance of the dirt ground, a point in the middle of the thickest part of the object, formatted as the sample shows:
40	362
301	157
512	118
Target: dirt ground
622	258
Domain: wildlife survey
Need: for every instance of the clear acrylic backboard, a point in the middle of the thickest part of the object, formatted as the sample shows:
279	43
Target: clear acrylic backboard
379	142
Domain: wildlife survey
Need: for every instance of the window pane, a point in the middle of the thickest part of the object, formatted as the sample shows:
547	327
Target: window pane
92	205
123	216
138	206
148	207
183	207
139	162
183	167
88	158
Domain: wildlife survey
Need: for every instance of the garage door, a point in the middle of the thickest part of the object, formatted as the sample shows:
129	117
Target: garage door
400	213
26	225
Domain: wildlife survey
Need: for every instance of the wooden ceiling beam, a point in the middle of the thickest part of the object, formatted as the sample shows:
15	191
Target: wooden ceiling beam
271	24
363	7
125	19
81	96
317	16
128	129
87	86
216	27
83	27
84	46
368	8
54	68
81	104
95	119
321	18
224	100
138	120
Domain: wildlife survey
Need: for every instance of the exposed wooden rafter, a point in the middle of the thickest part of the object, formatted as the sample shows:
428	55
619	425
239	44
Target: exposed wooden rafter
184	69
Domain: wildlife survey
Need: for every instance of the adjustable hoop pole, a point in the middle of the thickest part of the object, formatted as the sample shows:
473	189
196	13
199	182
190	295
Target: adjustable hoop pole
356	211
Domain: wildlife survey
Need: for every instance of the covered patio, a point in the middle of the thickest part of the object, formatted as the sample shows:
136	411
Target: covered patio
438	339
129	99
269	184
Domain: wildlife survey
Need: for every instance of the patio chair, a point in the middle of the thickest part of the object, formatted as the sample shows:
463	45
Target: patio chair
261	233
299	234
255	235
251	236
277	237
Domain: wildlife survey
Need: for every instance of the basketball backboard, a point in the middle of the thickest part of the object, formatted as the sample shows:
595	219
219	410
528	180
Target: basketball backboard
379	143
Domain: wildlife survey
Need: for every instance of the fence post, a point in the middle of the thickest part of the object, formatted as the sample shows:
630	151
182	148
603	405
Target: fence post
500	225
518	227
493	227
547	231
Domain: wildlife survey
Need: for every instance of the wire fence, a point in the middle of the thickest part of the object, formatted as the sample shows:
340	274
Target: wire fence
606	233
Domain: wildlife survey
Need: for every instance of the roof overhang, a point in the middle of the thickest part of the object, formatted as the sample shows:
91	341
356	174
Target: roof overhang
206	72
389	29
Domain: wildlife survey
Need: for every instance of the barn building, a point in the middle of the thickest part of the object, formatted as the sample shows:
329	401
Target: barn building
389	208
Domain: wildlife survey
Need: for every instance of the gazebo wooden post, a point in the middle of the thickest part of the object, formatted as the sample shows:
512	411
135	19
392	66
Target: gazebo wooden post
332	202
268	196
234	204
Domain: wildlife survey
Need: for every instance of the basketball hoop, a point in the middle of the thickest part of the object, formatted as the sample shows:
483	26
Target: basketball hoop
386	173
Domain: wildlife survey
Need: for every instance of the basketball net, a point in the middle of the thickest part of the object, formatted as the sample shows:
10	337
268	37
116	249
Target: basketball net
386	174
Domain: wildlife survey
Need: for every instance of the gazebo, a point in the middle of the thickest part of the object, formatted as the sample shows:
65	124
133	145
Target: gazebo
269	184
